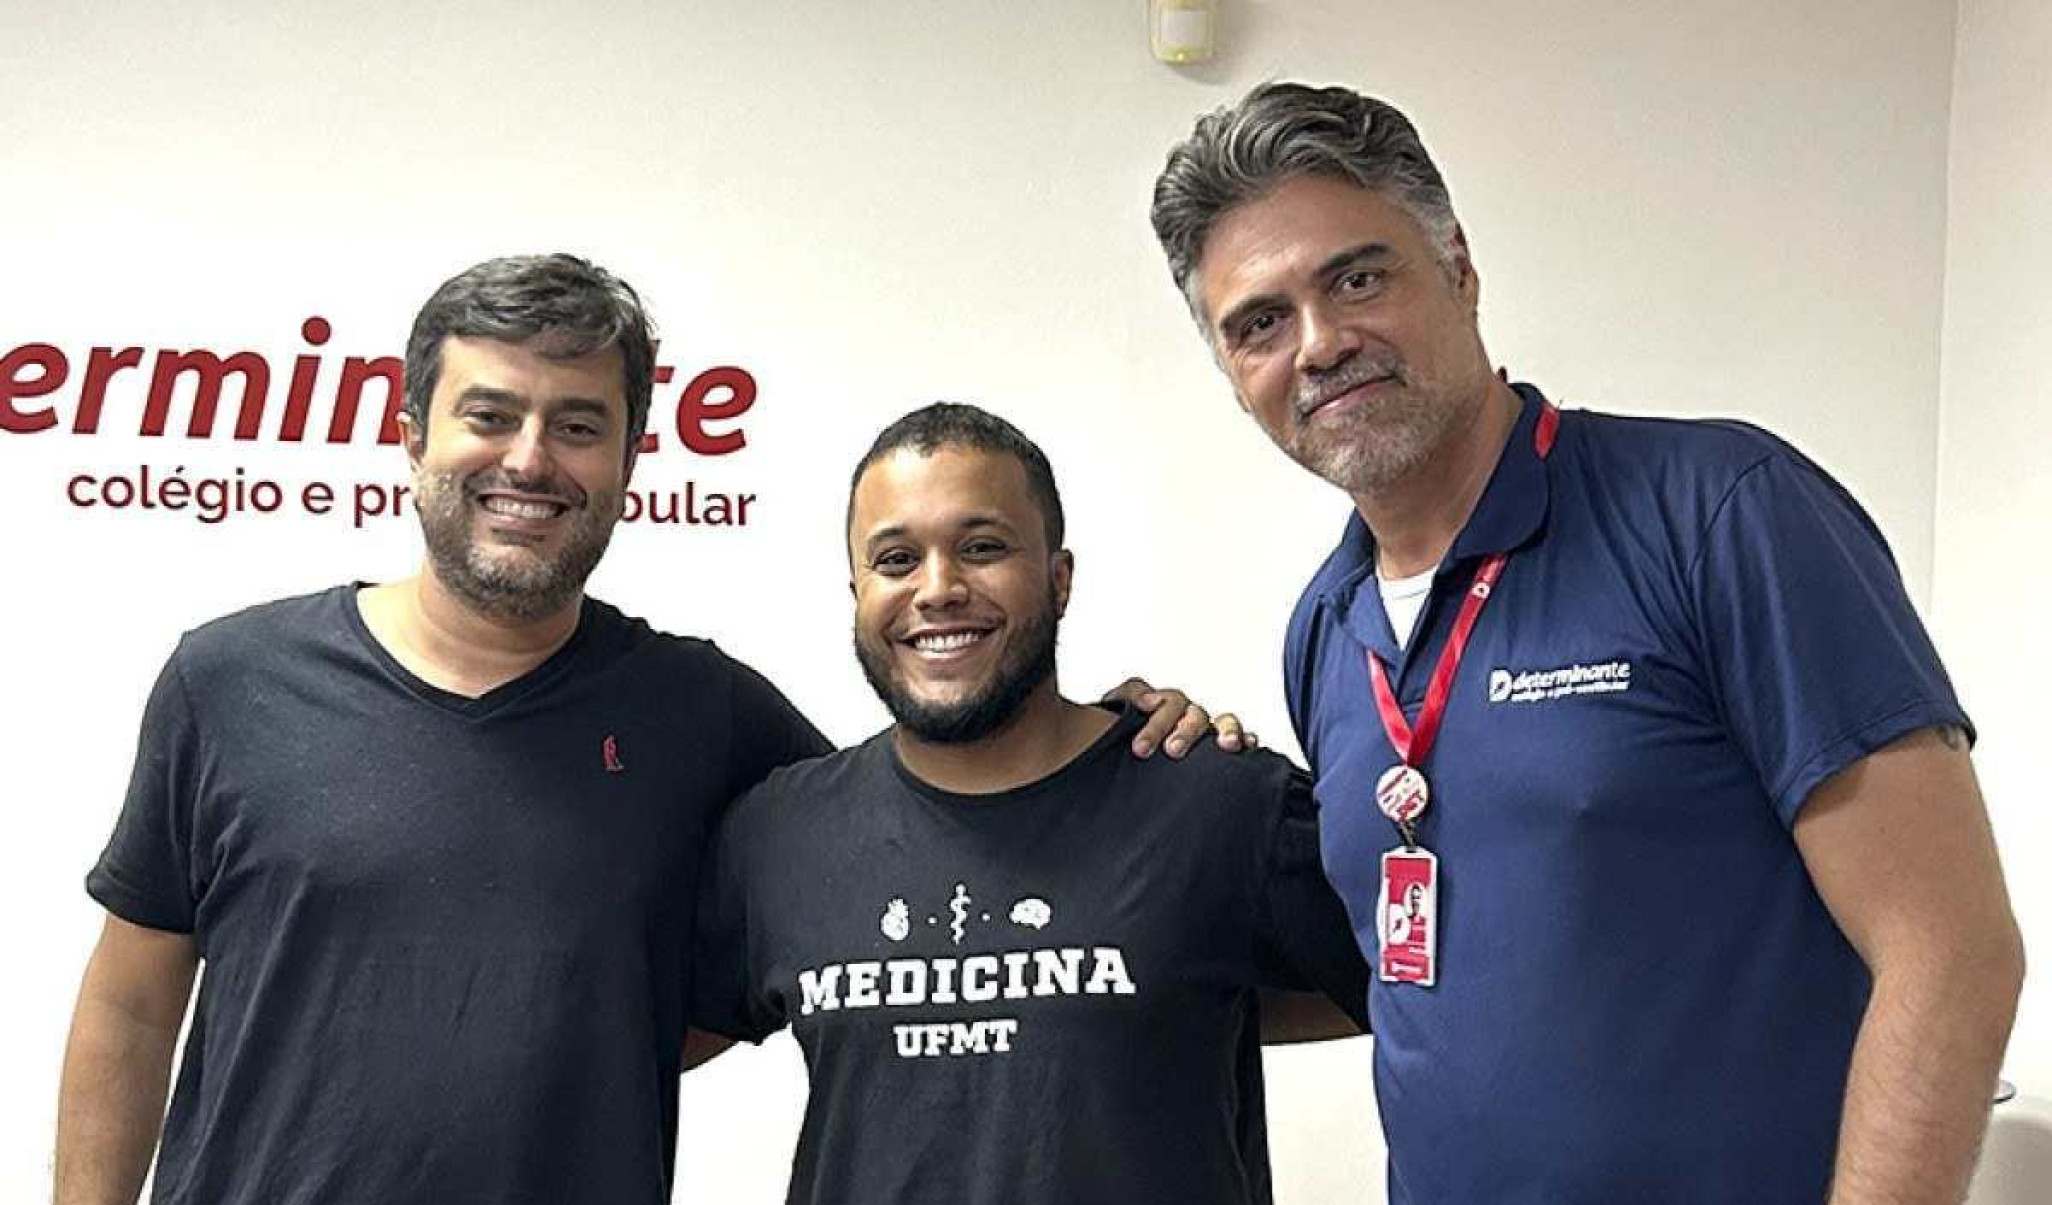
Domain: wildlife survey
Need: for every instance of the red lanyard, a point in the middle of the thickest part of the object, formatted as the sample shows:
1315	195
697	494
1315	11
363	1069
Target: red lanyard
1413	746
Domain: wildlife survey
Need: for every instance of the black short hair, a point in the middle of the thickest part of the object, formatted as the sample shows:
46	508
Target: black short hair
572	306
954	424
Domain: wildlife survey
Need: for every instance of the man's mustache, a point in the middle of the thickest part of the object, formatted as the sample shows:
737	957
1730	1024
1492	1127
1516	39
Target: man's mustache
548	488
1332	382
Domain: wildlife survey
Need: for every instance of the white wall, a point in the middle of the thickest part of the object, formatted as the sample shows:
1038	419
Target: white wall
1729	207
1994	567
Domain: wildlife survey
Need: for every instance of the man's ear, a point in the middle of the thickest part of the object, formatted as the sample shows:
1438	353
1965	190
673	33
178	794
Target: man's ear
626	481
633	458
1064	574
1466	281
413	437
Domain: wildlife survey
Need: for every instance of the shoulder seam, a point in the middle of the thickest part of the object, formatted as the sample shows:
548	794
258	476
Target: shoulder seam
1717	514
177	667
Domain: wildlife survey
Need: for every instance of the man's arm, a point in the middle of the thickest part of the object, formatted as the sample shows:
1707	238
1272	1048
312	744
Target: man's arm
1314	982
1901	851
117	1065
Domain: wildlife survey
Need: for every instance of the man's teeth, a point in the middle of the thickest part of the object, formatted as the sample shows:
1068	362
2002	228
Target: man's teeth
515	508
946	642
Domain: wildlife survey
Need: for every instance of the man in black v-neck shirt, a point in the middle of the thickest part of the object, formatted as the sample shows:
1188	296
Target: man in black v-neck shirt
445	935
1023	968
437	841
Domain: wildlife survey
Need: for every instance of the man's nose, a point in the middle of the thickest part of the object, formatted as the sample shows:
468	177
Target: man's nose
1327	340
940	582
526	455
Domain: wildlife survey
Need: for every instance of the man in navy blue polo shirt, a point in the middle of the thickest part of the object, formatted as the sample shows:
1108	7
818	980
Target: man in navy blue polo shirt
1641	780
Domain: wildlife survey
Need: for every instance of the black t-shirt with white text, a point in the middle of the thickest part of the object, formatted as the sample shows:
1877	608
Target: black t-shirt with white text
1045	995
446	940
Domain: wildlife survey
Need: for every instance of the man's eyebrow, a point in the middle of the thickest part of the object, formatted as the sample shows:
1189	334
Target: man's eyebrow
972	523
884	533
1352	257
582	405
506	397
1231	319
486	393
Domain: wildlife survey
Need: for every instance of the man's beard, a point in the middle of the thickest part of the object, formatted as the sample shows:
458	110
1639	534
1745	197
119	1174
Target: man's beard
1026	664
510	582
1380	444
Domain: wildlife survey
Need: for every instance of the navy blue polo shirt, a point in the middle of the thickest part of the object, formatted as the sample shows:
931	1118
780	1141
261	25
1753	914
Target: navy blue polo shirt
1641	996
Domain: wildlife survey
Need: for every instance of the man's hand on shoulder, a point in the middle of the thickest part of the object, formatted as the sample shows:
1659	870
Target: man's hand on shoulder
1175	723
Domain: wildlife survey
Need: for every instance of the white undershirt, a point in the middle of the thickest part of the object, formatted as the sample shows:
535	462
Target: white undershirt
1402	599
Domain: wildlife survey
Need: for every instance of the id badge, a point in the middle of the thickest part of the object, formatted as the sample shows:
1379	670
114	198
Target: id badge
1409	917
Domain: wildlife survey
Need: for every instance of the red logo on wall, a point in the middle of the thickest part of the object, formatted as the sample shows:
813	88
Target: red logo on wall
33	372
184	393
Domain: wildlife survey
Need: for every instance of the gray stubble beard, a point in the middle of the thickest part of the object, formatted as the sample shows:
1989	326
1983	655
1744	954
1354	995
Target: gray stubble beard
1379	448
488	584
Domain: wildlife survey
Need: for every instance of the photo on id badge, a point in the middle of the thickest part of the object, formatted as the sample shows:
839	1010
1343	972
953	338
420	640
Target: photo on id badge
1410	917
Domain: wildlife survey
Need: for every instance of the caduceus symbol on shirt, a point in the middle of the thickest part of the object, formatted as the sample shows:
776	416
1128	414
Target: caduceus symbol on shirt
959	905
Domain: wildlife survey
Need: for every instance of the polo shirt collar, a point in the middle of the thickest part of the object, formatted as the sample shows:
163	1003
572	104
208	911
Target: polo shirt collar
1511	511
1350	562
1513	505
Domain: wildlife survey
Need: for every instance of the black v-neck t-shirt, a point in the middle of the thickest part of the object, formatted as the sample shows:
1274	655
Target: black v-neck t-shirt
1045	996
445	940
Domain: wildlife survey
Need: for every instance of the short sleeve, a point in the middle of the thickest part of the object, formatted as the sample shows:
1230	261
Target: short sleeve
1812	647
768	731
724	999
145	873
1303	939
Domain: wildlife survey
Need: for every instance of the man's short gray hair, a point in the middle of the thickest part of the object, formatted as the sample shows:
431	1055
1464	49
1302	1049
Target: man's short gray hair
1281	131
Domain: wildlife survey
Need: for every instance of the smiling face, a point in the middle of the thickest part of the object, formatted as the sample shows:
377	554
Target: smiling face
520	474
957	595
1345	335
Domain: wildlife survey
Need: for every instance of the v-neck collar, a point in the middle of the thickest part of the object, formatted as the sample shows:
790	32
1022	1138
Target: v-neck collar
461	706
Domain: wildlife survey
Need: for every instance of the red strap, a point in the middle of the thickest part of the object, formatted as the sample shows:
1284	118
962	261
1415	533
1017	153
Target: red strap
1546	430
1413	746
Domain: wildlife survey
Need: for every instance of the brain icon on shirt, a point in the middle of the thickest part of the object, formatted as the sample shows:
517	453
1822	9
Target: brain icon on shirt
1032	912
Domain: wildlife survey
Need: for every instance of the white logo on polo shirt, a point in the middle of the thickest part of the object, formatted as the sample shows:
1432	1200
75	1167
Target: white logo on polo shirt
1541	685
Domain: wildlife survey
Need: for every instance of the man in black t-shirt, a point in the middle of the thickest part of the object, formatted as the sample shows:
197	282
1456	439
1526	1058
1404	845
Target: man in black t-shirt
437	841
1022	967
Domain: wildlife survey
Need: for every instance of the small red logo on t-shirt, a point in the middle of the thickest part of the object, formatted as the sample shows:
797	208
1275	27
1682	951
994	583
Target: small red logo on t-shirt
611	752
